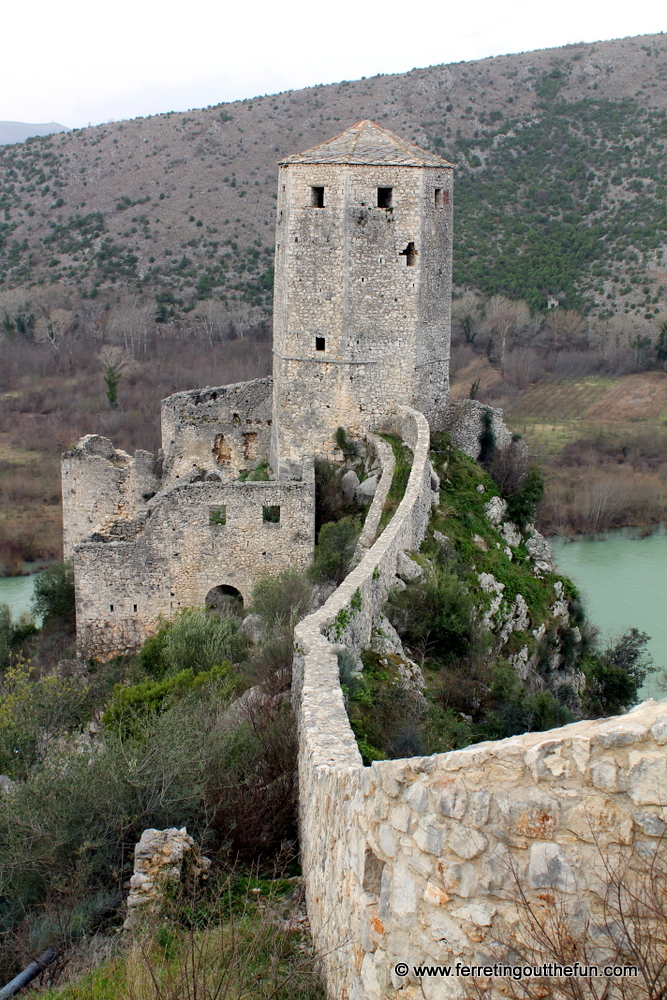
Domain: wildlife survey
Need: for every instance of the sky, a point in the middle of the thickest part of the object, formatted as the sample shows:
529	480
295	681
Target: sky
77	62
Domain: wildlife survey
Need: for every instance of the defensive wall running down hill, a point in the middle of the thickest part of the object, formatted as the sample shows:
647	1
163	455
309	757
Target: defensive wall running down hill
418	860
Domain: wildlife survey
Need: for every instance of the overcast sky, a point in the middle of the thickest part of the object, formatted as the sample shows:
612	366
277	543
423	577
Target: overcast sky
77	62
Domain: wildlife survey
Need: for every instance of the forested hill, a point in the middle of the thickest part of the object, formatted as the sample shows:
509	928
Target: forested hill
561	186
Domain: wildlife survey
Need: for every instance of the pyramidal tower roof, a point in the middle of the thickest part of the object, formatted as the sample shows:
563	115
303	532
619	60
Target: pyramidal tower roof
368	143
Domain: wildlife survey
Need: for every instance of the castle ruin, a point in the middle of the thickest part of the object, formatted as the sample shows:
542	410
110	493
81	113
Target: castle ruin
361	328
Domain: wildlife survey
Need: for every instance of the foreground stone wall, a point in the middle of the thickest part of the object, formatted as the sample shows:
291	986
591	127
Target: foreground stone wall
418	860
190	539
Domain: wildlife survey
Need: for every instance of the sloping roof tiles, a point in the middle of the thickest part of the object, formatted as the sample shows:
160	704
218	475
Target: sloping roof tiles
368	143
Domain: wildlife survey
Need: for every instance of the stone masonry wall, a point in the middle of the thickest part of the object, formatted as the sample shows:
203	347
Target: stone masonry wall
101	484
415	860
177	550
222	431
359	326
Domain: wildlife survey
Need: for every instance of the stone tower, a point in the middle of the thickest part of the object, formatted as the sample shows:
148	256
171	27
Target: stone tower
362	290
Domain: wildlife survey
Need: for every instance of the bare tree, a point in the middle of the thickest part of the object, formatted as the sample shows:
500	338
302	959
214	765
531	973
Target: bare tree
506	319
467	315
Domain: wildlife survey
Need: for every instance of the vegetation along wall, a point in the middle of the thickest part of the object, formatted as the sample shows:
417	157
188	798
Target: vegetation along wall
471	855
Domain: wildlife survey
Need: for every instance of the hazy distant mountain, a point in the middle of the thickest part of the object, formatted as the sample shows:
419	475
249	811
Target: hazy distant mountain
20	131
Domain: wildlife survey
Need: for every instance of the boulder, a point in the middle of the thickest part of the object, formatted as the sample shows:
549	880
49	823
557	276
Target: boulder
349	484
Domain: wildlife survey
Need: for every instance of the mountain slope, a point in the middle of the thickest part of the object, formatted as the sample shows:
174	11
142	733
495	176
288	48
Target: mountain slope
561	183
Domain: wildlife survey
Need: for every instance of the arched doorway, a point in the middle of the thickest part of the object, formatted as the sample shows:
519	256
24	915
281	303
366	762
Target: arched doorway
225	598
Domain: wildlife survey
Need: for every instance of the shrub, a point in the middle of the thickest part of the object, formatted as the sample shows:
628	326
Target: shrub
53	596
199	640
151	654
330	503
436	616
334	550
522	504
615	676
282	600
130	705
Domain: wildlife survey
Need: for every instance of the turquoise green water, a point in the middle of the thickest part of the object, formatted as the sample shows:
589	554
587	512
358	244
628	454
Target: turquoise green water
16	591
623	579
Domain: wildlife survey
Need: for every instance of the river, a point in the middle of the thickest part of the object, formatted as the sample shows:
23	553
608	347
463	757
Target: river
16	591
623	578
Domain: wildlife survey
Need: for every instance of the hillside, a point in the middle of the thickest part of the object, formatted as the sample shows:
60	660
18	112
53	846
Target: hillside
561	184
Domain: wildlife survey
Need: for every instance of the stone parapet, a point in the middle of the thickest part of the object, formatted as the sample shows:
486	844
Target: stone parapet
420	860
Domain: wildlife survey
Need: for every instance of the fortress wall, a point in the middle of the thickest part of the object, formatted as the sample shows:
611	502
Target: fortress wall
175	553
100	484
417	860
330	768
221	431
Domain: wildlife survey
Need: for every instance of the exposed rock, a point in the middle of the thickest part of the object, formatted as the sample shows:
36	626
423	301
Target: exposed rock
539	551
7	786
407	568
510	533
252	627
158	862
366	491
386	640
496	509
349	484
481	488
480	543
441	539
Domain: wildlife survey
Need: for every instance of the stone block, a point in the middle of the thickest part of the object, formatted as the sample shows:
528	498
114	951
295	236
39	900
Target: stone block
467	843
407	568
548	868
646	780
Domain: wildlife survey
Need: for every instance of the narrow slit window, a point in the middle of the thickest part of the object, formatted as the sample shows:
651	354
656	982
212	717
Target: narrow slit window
410	254
111	607
271	515
320	343
385	197
134	608
217	515
317	197
438	197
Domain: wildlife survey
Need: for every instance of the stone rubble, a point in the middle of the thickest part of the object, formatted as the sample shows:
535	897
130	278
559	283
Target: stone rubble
159	860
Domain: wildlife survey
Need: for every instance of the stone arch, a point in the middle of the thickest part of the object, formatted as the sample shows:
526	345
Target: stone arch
224	598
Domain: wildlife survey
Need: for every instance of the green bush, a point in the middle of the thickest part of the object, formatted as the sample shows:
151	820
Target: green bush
282	600
334	550
614	676
53	597
151	654
130	705
436	616
199	640
522	504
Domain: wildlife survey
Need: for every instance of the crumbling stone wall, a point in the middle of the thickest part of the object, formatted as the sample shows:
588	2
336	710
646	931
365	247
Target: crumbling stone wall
190	538
417	860
222	431
101	484
465	421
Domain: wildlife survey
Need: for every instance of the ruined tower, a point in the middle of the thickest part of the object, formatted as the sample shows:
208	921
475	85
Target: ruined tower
362	290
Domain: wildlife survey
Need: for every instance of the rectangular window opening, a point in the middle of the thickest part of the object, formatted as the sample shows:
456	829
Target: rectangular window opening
317	197
384	197
217	515
111	607
410	254
320	343
438	197
134	608
271	515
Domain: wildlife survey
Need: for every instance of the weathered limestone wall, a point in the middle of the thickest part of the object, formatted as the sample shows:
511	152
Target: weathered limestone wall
100	484
465	421
220	431
176	551
359	327
411	860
